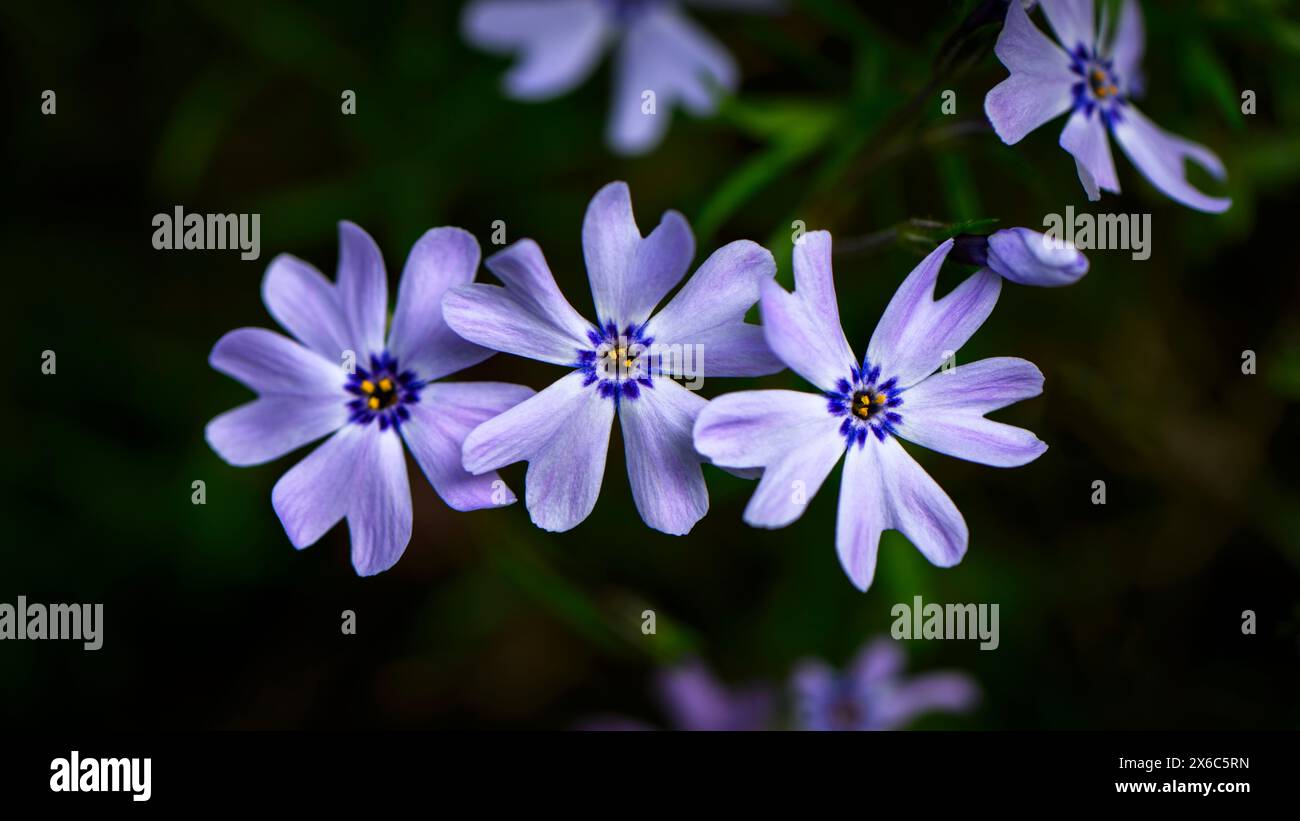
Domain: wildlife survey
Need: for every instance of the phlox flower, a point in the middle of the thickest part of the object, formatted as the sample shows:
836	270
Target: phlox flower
694	699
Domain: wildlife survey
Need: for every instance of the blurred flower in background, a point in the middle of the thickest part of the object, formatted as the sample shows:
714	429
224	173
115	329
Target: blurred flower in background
693	699
873	694
663	59
1095	78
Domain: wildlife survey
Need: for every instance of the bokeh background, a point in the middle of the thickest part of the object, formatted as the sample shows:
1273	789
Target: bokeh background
1115	616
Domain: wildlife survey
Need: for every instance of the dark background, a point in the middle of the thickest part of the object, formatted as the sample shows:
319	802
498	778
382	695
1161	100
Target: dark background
1122	615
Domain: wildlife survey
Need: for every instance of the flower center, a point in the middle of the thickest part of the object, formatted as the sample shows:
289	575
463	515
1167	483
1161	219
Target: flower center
618	362
867	404
625	11
1098	87
382	392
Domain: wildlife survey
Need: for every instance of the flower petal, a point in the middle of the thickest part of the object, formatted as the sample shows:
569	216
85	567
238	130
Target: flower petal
918	508
1030	258
529	317
736	349
362	289
662	464
1039	88
863	513
420	340
630	275
879	661
1159	155
305	304
314	495
917	332
1127	47
788	433
945	413
1074	21
563	432
717	295
1085	138
695	700
899	705
436	431
665	53
269	427
379	512
275	365
559	42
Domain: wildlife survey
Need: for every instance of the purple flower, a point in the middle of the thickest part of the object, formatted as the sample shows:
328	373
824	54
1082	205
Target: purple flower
1023	256
621	363
695	700
659	49
873	694
1094	78
307	390
864	410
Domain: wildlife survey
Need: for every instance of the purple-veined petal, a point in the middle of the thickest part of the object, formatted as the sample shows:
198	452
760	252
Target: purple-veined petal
863	512
269	427
917	332
918	507
1039	88
563	433
717	295
803	328
662	464
379	510
305	304
1031	258
735	349
1159	155
787	433
558	42
973	438
665	53
436	432
420	340
1127	46
529	317
630	275
362	289
276	365
1085	138
1074	21
898	705
314	495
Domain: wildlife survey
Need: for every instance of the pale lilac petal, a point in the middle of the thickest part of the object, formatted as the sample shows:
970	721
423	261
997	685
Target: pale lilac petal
662	464
1127	47
630	275
789	434
436	432
945	413
1074	21
863	512
276	365
917	333
314	495
563	433
305	304
558	42
879	661
666	53
1159	155
379	511
1085	138
420	340
716	296
898	706
1031	258
1039	88
269	427
529	317
362	289
737	349
918	507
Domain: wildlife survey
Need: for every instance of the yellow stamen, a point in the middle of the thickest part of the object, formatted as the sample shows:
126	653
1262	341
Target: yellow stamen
385	384
374	403
368	386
